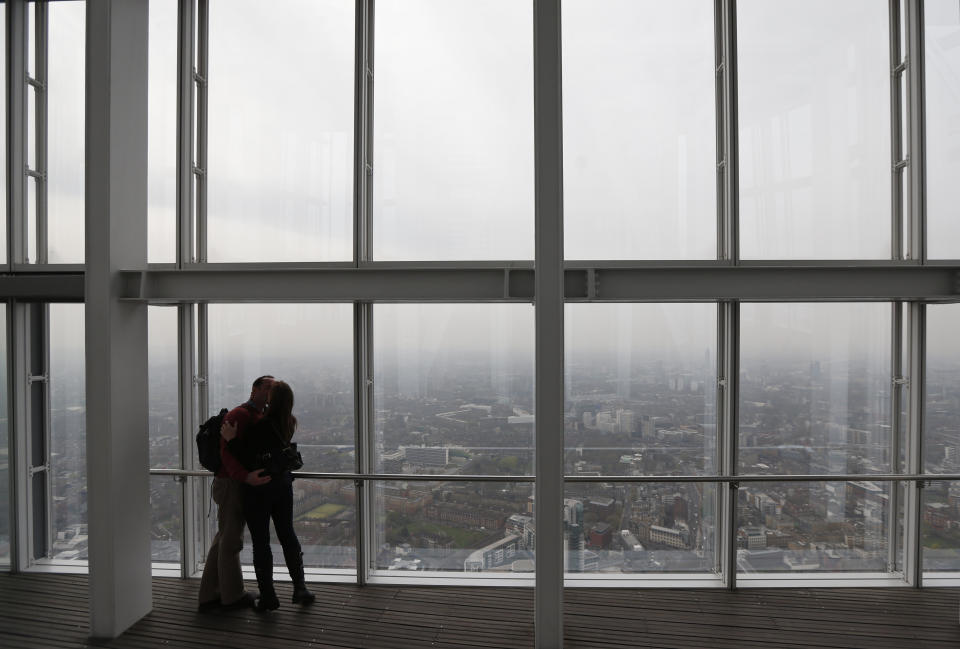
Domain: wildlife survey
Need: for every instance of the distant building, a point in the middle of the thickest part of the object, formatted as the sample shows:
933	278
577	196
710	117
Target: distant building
494	555
673	537
573	534
600	536
937	515
630	542
392	462
601	503
756	538
427	455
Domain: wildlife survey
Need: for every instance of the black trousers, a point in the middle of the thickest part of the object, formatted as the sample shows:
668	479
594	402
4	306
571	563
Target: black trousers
273	500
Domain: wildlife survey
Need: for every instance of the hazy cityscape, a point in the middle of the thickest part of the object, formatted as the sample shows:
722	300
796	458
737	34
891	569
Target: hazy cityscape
464	414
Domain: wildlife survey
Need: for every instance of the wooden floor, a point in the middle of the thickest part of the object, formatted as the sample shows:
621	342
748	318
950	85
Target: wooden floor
40	611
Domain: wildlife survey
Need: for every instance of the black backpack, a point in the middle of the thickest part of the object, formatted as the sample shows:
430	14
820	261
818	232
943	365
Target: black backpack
208	442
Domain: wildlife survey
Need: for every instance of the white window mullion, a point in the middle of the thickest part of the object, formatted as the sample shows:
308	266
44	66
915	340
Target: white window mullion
201	81
913	546
186	25
193	504
725	43
916	133
363	133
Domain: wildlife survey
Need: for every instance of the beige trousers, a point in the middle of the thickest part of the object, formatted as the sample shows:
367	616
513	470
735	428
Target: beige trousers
222	576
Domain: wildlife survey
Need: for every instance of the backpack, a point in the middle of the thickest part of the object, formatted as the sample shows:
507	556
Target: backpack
208	442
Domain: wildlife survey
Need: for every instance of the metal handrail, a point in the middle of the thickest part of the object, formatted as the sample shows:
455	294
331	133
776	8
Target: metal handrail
753	477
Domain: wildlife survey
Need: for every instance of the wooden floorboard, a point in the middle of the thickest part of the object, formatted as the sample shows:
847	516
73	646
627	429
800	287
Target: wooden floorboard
43	610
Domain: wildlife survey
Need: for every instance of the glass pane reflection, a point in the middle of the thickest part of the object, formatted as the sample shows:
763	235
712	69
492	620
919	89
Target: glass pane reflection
281	131
814	119
641	389
806	527
457	527
66	128
942	104
640	528
639	130
815	388
68	450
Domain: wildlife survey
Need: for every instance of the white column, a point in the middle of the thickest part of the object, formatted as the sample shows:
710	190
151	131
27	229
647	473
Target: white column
116	332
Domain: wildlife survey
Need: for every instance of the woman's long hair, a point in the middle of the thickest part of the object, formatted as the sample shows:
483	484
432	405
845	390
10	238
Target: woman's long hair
280	410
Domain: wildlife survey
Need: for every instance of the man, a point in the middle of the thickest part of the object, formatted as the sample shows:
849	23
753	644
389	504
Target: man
222	581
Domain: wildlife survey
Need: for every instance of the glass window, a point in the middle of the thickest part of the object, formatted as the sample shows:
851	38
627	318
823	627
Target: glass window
453	388
462	527
6	505
162	132
941	435
3	146
940	526
65	131
166	519
640	528
280	130
164	415
310	346
639	130
68	418
814	118
801	527
453	142
942	60
641	389
815	388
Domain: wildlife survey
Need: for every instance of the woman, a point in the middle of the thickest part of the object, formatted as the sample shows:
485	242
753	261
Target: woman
259	447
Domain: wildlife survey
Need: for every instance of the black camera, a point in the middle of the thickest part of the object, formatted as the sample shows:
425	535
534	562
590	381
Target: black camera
285	459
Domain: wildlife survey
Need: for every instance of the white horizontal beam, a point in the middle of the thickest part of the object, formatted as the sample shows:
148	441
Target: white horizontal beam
607	283
497	283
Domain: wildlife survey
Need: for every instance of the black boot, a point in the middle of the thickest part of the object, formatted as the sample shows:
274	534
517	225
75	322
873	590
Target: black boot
268	596
300	593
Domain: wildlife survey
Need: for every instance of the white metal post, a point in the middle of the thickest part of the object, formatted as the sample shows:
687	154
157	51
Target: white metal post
898	384
916	125
41	93
185	132
548	157
22	548
116	331
16	154
897	159
363	133
189	557
728	360
913	545
364	442
202	80
728	189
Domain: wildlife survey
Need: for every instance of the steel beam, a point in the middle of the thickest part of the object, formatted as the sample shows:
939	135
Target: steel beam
45	287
